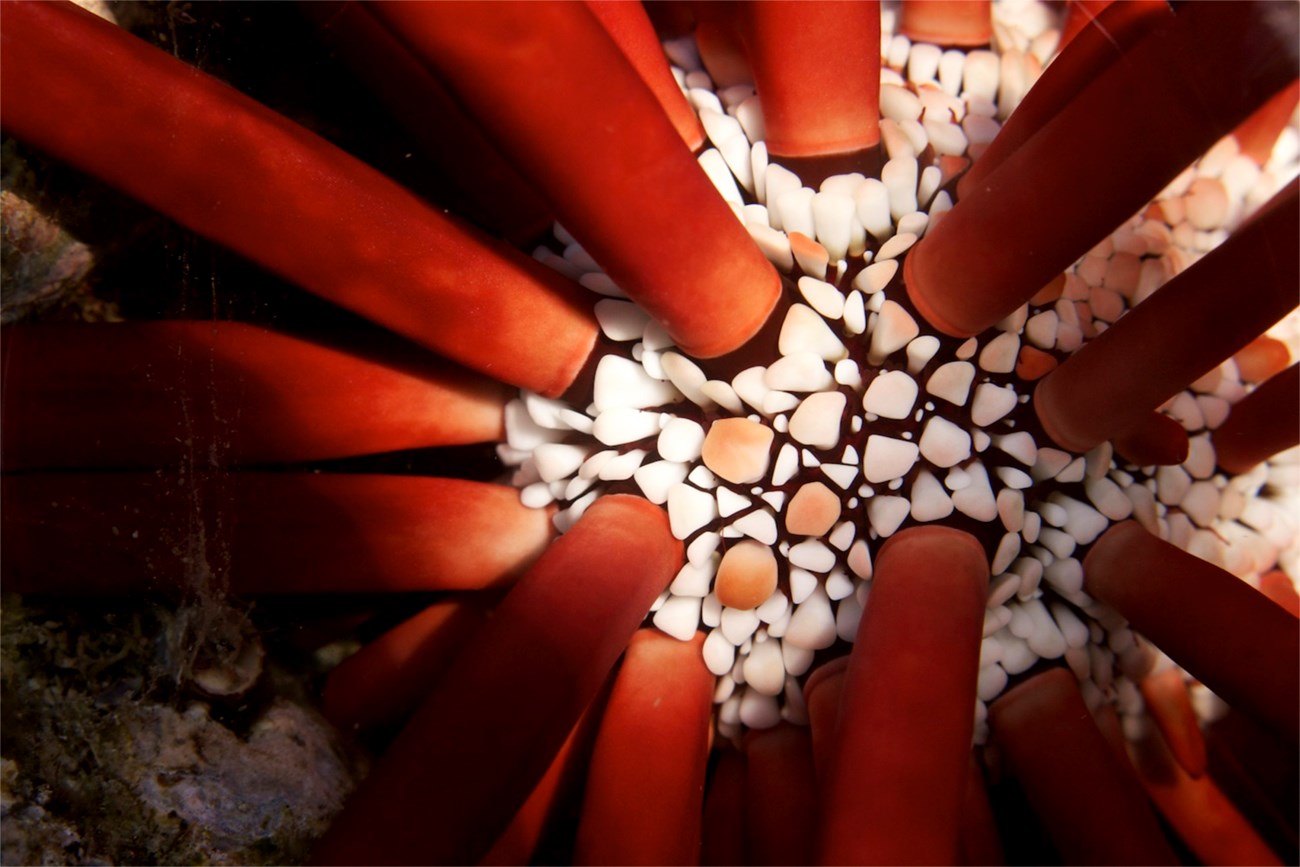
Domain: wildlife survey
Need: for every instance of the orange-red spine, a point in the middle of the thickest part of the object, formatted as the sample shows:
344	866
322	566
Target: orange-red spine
898	775
1168	340
144	395
249	179
1227	634
1072	779
1104	155
645	788
1261	424
264	533
451	781
537	76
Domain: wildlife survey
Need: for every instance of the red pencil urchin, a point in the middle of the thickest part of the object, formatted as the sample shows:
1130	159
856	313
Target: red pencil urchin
862	378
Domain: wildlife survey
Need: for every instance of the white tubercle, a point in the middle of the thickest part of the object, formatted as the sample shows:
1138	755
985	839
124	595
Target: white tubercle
812	555
575	420
843	475
751	387
893	330
980	75
945	137
1109	498
719	126
923	63
1040	330
656	338
736	154
773	609
1007	551
699	90
693	579
729	502
522	430
758	525
700	551
750	115
952	382
620	467
817	420
796	208
719	653
723	395
855	314
774	244
892	394
842	536
799	372
764	667
843	184
896	143
758	164
592	466
839	585
621	320
804	331
778	181
930	502
1049	463
1045	638
622	425
920	351
1082	521
895	246
622	382
887	458
950	72
943	443
679	616
656	479
812	625
927	186
833	217
999	354
876	276
847	373
848	616
738	624
687	376
802	585
715	166
786	464
1011	509
556	461
898	103
900	177
1020	445
822	297
976	499
689	509
887	513
872	201
991	402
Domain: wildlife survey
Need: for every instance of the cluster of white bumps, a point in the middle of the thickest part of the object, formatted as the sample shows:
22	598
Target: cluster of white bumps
784	479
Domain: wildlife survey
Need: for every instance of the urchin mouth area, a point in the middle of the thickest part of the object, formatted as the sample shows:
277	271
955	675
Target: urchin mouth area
784	465
782	481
